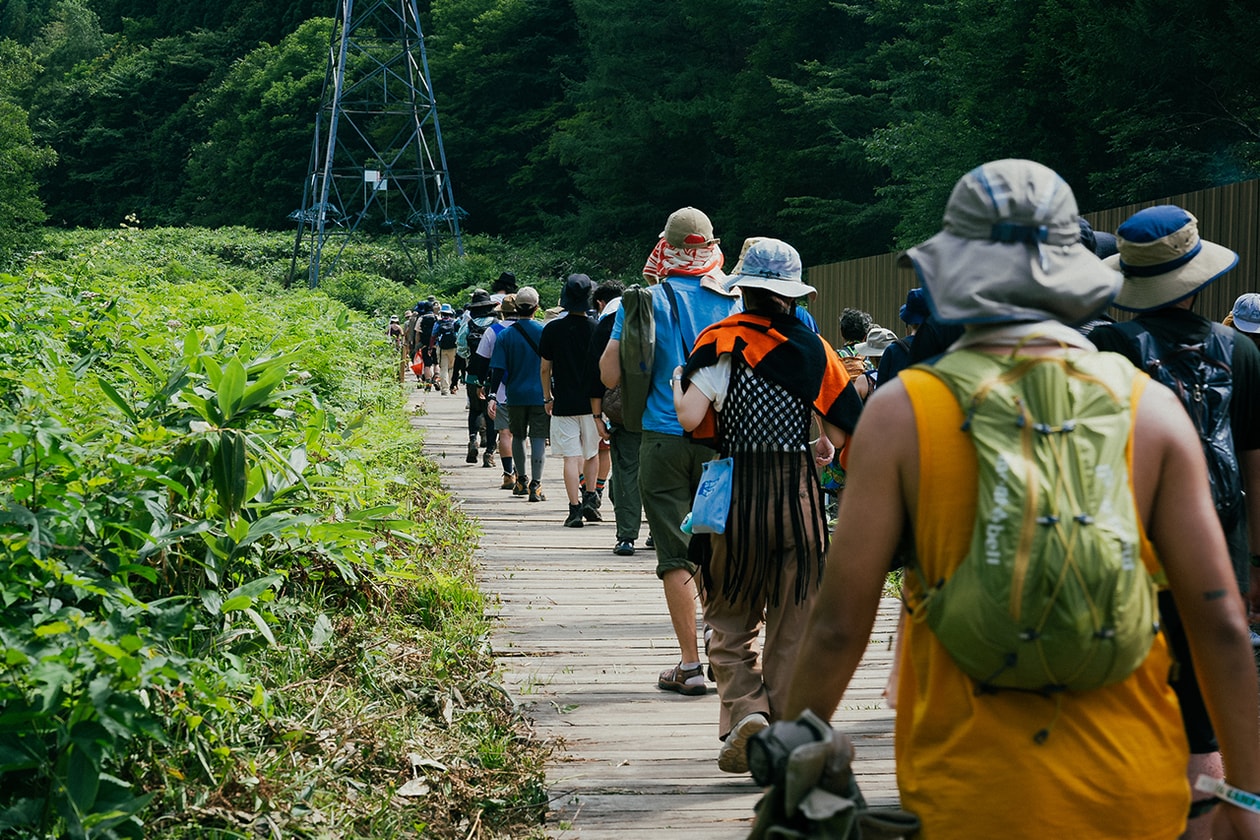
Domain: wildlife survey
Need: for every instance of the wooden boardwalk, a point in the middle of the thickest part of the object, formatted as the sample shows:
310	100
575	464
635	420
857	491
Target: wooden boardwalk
581	634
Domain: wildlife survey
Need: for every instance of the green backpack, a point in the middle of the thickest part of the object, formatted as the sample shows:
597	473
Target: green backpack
1053	594
638	350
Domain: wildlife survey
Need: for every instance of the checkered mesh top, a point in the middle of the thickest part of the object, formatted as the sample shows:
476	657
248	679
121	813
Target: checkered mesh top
760	415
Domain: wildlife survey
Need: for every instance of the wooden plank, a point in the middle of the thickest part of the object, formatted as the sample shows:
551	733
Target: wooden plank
580	635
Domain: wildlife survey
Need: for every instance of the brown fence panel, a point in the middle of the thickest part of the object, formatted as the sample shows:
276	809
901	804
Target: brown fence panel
1229	215
874	284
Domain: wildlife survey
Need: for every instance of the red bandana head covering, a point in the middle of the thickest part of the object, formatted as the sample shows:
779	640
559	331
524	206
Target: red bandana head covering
665	260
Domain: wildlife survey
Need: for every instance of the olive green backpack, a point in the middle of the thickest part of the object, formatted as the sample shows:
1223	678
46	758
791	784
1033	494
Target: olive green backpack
637	355
1053	594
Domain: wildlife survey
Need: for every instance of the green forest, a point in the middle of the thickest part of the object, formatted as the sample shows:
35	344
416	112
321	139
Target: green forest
838	126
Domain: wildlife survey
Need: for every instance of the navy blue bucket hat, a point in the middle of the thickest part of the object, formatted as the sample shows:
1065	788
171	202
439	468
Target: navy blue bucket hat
915	310
576	296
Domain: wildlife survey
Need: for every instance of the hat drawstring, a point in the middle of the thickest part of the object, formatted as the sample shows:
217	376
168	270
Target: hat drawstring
1031	234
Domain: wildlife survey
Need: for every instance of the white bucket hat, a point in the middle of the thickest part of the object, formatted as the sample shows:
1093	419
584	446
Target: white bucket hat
773	265
1164	259
1010	250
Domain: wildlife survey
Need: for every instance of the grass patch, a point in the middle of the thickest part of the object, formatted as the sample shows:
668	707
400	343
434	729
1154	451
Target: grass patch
383	728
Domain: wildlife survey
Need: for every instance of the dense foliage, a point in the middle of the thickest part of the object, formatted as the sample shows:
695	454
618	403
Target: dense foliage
838	126
232	598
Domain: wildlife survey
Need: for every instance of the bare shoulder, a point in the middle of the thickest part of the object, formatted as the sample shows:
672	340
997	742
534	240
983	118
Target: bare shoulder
1161	422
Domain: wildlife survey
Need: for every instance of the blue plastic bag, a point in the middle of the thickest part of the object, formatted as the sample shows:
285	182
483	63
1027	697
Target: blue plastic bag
712	504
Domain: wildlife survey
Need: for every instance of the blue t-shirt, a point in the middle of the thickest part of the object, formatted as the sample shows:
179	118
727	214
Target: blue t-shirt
520	364
802	314
698	307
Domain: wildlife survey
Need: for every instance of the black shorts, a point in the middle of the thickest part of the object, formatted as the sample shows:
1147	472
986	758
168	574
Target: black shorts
529	421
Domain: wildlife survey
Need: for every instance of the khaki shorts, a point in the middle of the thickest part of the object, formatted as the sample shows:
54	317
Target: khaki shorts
574	436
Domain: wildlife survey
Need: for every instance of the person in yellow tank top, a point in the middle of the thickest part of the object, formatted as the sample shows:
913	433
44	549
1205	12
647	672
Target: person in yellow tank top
1009	265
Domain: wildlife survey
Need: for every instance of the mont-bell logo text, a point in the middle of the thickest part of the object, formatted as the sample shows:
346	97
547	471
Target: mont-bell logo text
998	514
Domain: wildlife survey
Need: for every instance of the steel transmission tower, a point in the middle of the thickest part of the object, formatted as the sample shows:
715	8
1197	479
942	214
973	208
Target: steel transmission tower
377	162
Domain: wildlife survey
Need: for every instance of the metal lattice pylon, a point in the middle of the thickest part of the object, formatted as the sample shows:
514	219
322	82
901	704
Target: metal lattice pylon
377	162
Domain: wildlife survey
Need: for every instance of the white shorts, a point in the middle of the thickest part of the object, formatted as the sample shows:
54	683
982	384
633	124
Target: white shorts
574	437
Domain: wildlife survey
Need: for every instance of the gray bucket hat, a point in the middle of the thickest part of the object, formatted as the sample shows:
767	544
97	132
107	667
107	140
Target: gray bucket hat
1010	250
877	341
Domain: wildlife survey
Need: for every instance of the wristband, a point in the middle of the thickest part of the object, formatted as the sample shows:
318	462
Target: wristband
494	397
1234	796
549	400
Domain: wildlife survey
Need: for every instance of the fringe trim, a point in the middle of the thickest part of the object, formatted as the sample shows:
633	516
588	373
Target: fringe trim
765	507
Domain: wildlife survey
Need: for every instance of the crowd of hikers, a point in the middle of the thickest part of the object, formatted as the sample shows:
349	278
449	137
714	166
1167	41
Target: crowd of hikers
1065	494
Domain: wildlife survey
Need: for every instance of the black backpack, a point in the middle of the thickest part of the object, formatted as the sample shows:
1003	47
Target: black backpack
1202	378
426	328
445	333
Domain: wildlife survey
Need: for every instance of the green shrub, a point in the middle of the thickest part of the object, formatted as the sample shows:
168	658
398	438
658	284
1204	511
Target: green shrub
200	471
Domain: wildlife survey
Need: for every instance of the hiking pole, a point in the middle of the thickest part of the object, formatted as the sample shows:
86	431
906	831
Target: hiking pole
1229	793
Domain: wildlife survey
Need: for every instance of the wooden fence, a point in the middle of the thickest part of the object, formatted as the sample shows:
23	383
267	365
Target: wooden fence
1229	215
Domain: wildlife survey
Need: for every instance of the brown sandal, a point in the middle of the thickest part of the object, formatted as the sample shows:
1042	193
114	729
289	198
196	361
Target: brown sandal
679	679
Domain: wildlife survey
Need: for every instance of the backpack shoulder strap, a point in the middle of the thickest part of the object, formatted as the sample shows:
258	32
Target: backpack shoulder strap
519	326
1129	328
948	470
673	311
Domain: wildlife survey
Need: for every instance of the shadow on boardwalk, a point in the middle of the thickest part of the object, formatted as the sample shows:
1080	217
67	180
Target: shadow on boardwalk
581	635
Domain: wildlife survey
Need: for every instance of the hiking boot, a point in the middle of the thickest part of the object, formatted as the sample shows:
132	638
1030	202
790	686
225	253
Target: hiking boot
590	509
733	757
472	452
519	488
575	517
487	460
509	482
535	492
624	548
688	681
